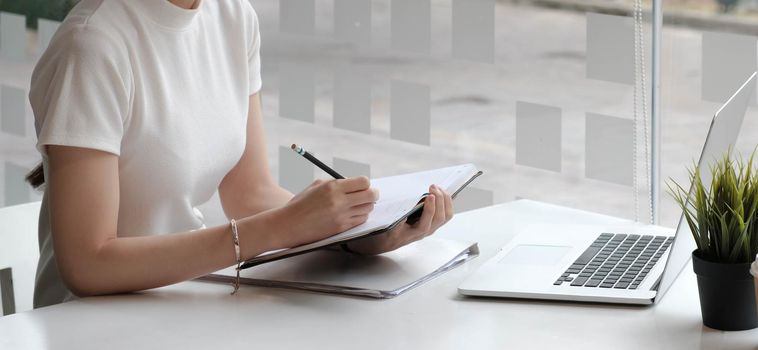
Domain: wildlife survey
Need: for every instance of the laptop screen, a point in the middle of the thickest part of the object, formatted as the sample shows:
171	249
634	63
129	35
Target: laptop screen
722	135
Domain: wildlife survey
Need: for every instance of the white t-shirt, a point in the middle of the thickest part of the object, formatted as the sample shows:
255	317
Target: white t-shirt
164	88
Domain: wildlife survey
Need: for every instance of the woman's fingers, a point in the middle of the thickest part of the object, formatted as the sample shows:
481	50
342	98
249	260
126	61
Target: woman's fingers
448	207
425	222
362	197
439	212
358	219
353	184
362	209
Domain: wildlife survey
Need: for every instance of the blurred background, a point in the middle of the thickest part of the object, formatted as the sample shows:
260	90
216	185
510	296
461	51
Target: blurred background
537	93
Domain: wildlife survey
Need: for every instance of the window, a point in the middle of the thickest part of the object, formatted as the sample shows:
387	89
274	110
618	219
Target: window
538	94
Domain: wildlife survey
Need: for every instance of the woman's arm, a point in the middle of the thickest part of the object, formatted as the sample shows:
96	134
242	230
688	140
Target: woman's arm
249	188
83	190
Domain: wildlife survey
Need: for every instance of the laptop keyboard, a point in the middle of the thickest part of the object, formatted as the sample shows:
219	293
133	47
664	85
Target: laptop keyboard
618	261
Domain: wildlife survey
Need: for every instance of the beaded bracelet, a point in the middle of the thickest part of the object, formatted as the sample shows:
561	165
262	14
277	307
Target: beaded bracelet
236	241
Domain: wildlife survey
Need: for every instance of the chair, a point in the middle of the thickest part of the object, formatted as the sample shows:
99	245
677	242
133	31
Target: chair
19	253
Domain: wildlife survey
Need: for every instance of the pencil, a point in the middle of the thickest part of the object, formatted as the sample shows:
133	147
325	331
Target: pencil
299	150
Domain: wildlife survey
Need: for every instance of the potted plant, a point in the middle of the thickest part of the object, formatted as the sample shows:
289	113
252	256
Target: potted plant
723	219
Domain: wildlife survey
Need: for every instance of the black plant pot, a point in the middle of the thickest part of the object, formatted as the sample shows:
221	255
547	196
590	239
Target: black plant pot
727	294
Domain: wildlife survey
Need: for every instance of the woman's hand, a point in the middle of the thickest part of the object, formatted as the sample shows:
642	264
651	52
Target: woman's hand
438	209
326	208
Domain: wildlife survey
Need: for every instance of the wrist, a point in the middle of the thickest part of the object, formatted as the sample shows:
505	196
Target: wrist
262	232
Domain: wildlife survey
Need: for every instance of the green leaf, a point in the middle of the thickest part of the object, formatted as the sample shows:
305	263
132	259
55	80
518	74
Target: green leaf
723	216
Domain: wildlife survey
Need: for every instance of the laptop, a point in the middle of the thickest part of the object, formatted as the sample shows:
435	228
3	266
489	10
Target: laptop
631	264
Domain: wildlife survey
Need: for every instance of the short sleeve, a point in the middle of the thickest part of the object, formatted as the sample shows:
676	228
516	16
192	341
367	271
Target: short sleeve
80	92
253	51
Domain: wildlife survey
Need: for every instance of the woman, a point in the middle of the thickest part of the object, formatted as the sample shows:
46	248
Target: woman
144	108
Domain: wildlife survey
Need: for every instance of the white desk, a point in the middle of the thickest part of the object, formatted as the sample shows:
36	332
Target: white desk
197	315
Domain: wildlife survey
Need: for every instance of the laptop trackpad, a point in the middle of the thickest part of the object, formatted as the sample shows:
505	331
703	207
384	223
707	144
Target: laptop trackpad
529	254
